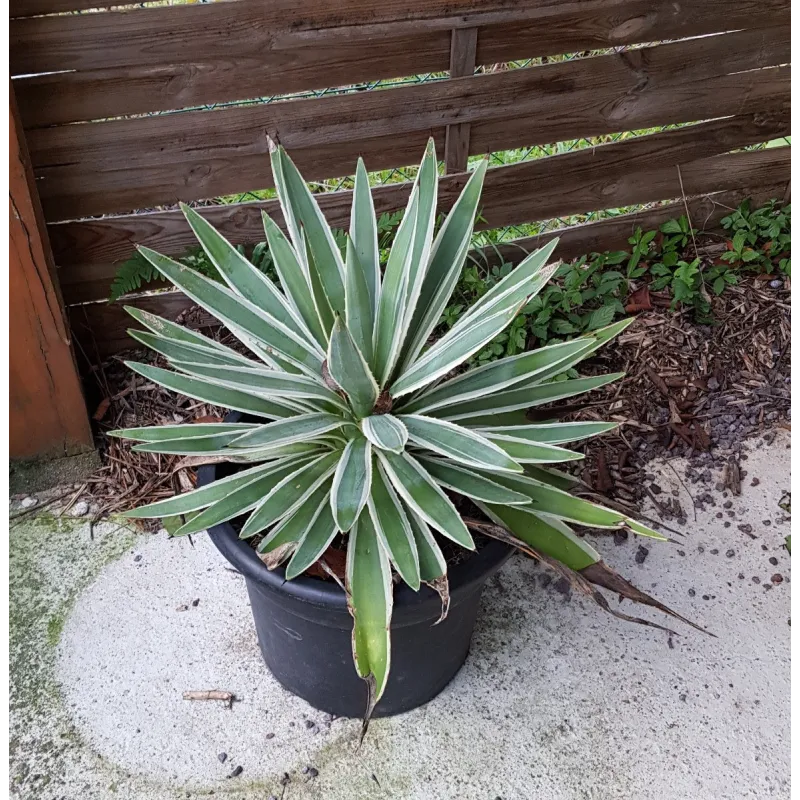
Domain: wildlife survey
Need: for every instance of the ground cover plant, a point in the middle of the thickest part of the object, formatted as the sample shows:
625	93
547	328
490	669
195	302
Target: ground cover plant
368	416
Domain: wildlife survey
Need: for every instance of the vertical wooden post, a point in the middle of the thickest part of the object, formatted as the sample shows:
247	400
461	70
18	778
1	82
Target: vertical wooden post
463	45
47	411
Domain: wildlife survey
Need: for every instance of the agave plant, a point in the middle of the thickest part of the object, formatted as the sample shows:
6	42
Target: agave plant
365	427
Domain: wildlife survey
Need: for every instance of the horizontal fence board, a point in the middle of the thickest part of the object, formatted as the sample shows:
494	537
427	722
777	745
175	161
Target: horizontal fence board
101	328
196	155
570	183
125	78
581	189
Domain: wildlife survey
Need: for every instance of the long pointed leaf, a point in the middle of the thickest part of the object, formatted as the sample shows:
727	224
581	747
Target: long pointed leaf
458	443
175	350
524	451
424	497
351	482
551	433
301	212
369	592
314	543
238	313
393	528
364	236
290	494
493	377
446	260
290	530
297	428
359	303
212	393
523	398
349	369
293	279
161	433
471	484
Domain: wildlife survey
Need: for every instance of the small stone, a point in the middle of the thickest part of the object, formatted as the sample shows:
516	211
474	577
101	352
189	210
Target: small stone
706	597
700	549
776	284
712	383
270	736
137	557
764	548
309	723
655	489
681	552
80	509
311	772
641	555
728	504
773	561
755	579
29	502
718	515
740	576
223	757
766	522
726	524
692	592
196	602
755	482
620	537
182	608
745	528
715	552
777	578
237	771
730	553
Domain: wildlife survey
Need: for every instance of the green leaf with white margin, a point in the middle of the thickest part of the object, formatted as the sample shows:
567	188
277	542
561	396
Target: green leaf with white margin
527	452
368	581
360	305
323	307
553	432
175	350
392	526
460	444
547	535
432	563
471	484
522	398
553	477
171	330
447	257
199	498
242	277
209	392
266	382
427	182
161	433
293	279
389	331
243	499
592	342
302	214
385	431
239	314
364	236
314	543
514	287
351	482
492	377
290	494
192	445
423	495
348	368
296	429
548	500
290	530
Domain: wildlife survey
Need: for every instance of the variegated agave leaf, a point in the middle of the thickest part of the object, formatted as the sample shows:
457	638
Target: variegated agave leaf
357	430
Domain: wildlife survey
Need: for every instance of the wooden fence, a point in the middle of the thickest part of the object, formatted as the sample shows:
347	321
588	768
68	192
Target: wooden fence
90	86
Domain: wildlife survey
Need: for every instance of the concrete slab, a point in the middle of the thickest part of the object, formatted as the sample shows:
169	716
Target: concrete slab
556	700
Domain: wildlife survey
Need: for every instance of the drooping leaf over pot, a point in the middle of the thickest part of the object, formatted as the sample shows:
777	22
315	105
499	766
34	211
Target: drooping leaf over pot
367	426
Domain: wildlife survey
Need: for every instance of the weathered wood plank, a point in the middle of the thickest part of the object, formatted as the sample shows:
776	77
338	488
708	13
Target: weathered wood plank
102	327
120	165
578	181
462	63
47	412
152	78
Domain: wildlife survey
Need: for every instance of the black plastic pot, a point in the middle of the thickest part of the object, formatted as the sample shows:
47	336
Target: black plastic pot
304	628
